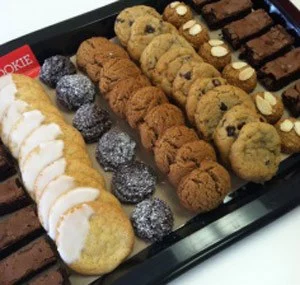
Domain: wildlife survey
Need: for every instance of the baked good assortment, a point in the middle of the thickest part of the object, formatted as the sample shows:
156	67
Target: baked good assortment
57	173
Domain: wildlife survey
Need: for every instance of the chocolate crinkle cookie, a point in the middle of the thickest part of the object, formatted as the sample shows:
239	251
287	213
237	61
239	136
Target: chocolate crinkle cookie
92	122
73	91
115	148
152	219
54	68
133	182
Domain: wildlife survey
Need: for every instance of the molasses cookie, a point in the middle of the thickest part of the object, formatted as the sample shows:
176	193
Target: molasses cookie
177	13
133	182
214	104
205	188
240	74
115	70
167	146
189	157
195	33
198	88
126	19
141	102
169	64
143	31
152	219
215	52
230	126
157	121
92	122
114	149
54	68
159	46
289	132
73	91
255	155
122	91
185	77
270	106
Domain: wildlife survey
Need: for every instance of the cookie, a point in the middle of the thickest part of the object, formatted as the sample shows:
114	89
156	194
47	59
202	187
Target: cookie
54	68
291	99
141	102
194	32
189	157
126	19
152	219
255	155
177	13
240	74
114	149
216	53
185	77
269	106
214	104
157	121
169	64
143	30
115	70
118	97
73	91
198	88
158	47
133	182
92	122
289	132
168	144
205	188
230	126
94	52
102	228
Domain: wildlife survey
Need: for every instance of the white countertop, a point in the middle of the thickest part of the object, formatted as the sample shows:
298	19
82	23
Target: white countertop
269	256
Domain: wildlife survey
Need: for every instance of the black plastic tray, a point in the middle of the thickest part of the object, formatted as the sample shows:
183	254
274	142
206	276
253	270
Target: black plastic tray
252	207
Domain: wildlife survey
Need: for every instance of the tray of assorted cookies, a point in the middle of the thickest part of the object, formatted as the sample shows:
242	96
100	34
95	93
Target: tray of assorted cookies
143	137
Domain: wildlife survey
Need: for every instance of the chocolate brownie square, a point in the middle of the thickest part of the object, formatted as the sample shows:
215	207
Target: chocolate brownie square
12	196
26	262
53	277
17	227
7	167
198	4
223	12
279	72
274	43
253	25
291	99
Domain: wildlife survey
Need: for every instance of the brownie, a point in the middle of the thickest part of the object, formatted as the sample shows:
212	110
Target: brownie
7	167
222	12
198	4
253	25
279	72
291	99
18	226
12	196
267	47
26	262
53	277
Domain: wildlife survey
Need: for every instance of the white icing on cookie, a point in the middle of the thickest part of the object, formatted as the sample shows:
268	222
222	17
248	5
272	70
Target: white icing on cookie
76	221
67	201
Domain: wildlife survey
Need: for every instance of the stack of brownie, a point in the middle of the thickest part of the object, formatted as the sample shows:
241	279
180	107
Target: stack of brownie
264	45
24	251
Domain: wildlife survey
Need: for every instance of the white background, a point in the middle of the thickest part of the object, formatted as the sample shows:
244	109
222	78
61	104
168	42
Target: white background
269	256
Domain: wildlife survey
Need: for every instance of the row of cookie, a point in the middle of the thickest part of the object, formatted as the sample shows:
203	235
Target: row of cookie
177	149
57	173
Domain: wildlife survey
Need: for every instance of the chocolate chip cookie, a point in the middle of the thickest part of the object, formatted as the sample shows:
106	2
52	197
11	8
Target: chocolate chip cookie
126	19
255	155
214	104
187	74
198	88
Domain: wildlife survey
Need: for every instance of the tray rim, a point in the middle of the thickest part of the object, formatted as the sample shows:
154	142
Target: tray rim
285	200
